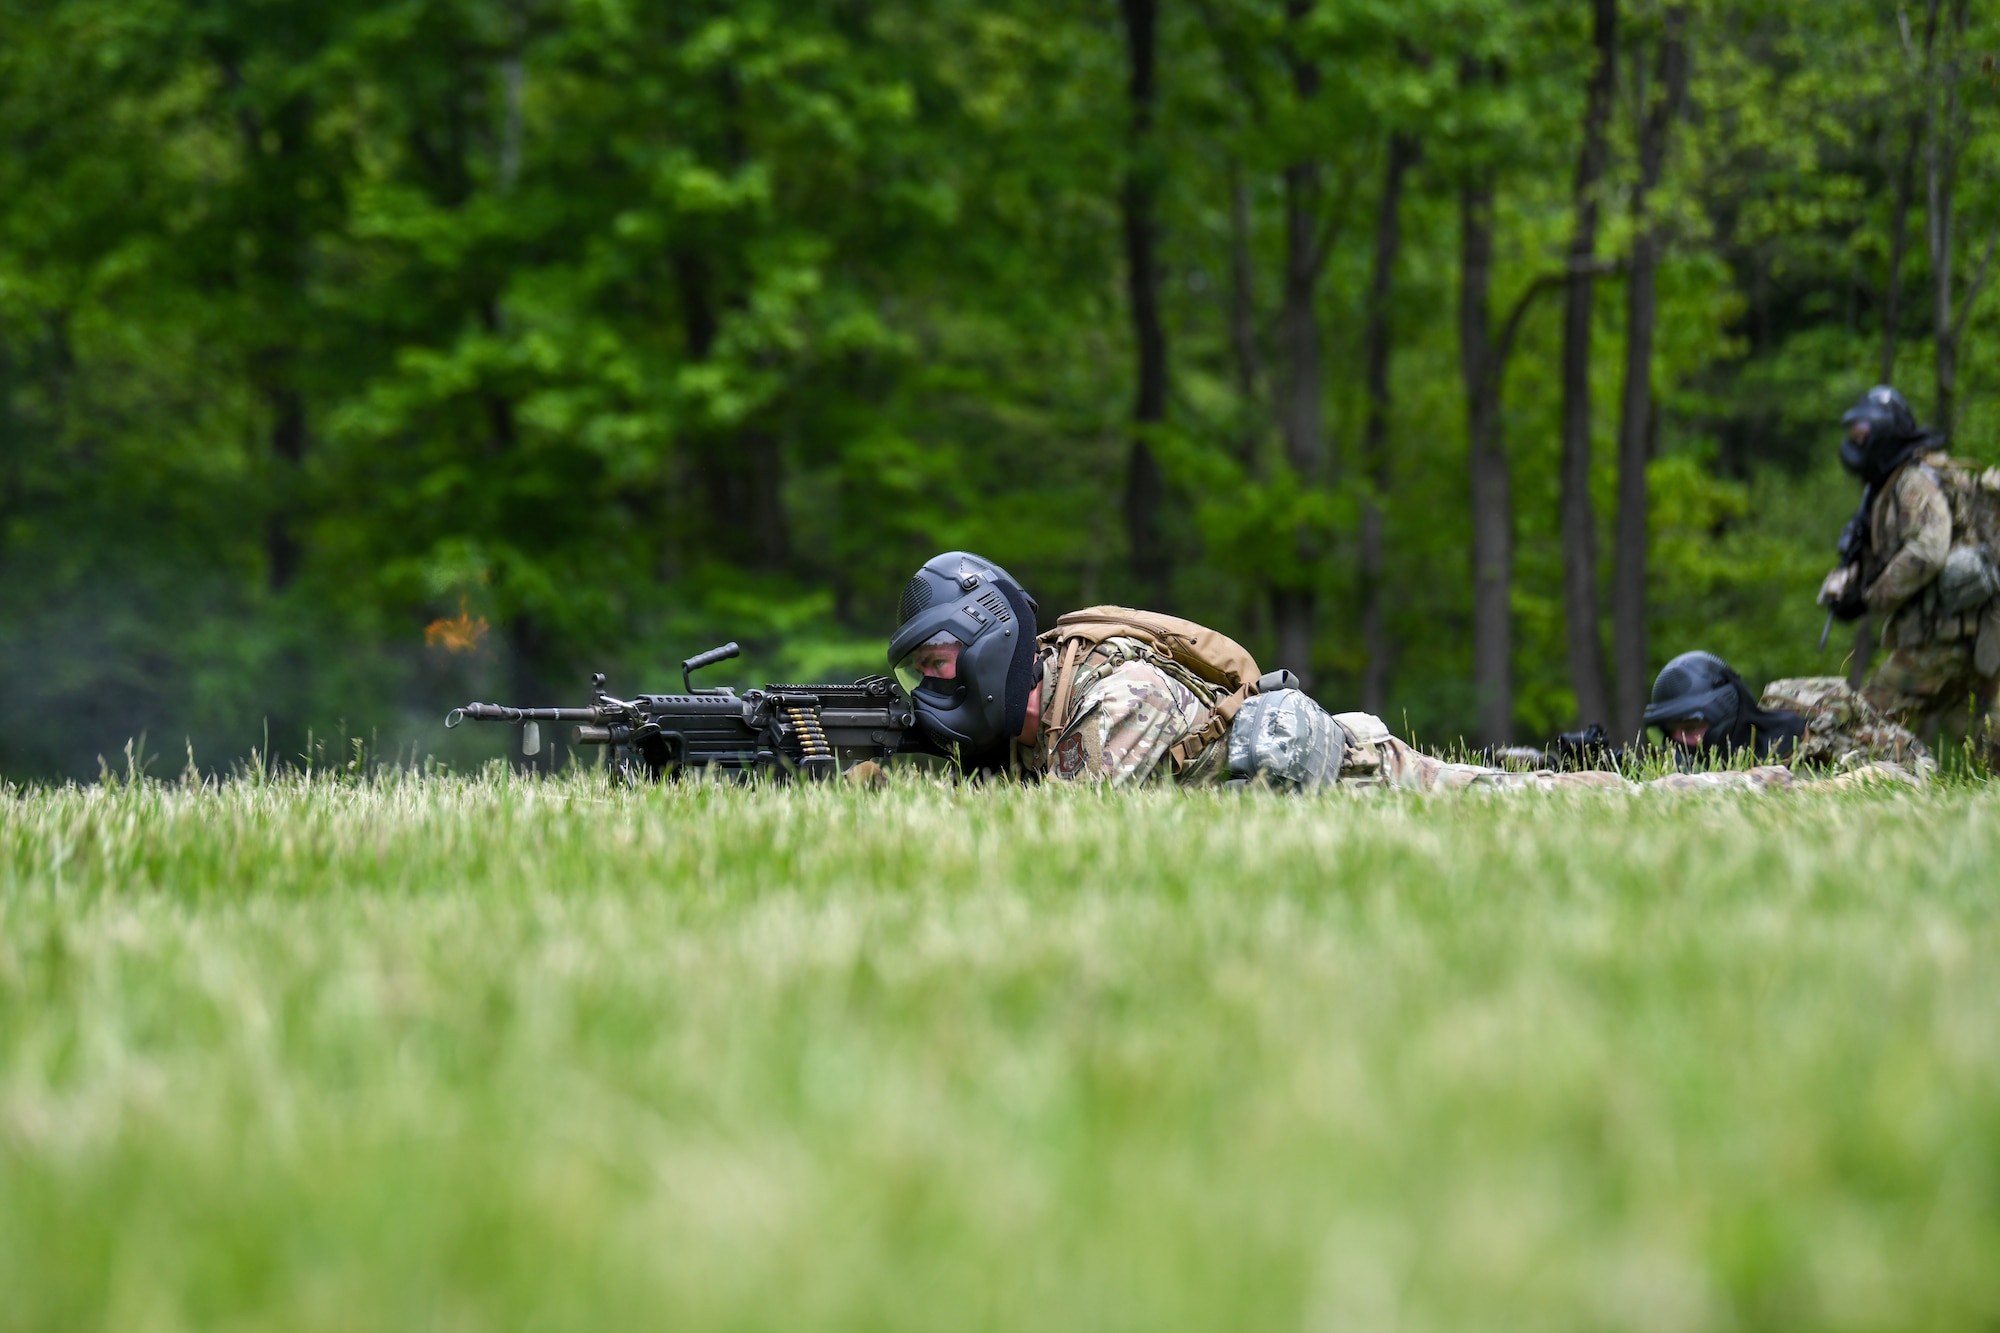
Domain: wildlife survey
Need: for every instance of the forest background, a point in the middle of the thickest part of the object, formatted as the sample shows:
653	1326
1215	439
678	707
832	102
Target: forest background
1469	357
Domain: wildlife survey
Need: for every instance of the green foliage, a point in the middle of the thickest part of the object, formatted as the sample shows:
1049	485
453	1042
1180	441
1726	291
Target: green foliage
631	327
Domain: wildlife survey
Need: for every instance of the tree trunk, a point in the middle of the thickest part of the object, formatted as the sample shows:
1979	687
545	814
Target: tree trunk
274	149
1243	315
1293	608
1899	231
1938	182
501	436
283	552
1375	442
1299	331
1636	419
1579	520
740	476
1492	480
1144	487
763	453
1948	135
1245	352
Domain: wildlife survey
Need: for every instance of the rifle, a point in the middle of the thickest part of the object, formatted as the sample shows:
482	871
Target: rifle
1852	549
1572	751
1589	748
811	731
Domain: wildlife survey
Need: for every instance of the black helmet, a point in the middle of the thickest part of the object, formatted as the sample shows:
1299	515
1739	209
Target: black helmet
965	649
1880	433
1698	687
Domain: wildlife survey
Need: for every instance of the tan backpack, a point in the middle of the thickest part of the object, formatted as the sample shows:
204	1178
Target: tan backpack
1965	595
1973	493
1217	659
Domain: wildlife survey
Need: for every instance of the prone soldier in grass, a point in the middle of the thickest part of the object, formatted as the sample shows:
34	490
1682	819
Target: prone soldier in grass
1820	723
1124	696
1128	697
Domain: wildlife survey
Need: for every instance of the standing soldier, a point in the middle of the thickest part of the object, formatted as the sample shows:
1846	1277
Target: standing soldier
1918	553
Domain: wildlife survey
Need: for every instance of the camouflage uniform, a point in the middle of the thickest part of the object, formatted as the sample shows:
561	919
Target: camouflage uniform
1374	758
1129	708
1843	729
1931	668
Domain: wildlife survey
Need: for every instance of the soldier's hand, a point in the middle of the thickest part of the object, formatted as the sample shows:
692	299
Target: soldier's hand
1842	593
867	773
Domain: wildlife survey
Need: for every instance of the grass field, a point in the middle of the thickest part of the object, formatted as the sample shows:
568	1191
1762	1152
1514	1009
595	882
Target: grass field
487	1053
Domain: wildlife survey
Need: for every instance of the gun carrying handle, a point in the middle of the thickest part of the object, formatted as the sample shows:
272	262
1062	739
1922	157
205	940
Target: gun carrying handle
700	660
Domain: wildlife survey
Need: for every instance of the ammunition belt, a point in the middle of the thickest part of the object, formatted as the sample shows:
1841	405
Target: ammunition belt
812	737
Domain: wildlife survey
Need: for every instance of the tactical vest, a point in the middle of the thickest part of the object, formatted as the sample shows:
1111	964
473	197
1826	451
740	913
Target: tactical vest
1961	603
1213	665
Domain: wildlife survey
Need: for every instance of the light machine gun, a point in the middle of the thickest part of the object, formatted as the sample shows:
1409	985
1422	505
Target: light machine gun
810	731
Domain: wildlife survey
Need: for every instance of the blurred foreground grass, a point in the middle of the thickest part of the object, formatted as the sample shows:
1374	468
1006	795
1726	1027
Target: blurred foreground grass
487	1053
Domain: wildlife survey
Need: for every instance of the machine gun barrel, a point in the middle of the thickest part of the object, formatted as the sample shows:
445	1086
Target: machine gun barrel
502	713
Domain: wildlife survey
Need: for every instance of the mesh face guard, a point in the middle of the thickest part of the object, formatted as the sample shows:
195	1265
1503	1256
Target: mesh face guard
1876	434
1695	687
966	649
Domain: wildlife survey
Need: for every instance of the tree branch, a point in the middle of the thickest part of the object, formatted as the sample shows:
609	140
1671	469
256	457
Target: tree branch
1978	281
1331	226
1246	87
1503	346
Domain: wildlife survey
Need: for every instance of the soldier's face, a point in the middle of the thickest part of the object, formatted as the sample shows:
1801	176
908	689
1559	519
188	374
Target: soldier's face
1857	431
1688	731
929	662
939	660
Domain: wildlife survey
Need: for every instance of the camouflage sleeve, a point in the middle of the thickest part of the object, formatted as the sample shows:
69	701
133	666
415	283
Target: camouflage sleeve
1375	758
1766	777
1124	724
1407	768
1926	531
1879	773
1378	759
1843	730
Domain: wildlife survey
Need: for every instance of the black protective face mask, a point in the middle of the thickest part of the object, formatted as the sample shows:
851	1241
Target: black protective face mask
976	604
1889	435
1854	456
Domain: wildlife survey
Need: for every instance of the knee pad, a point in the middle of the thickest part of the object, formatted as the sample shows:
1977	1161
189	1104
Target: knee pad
1286	740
